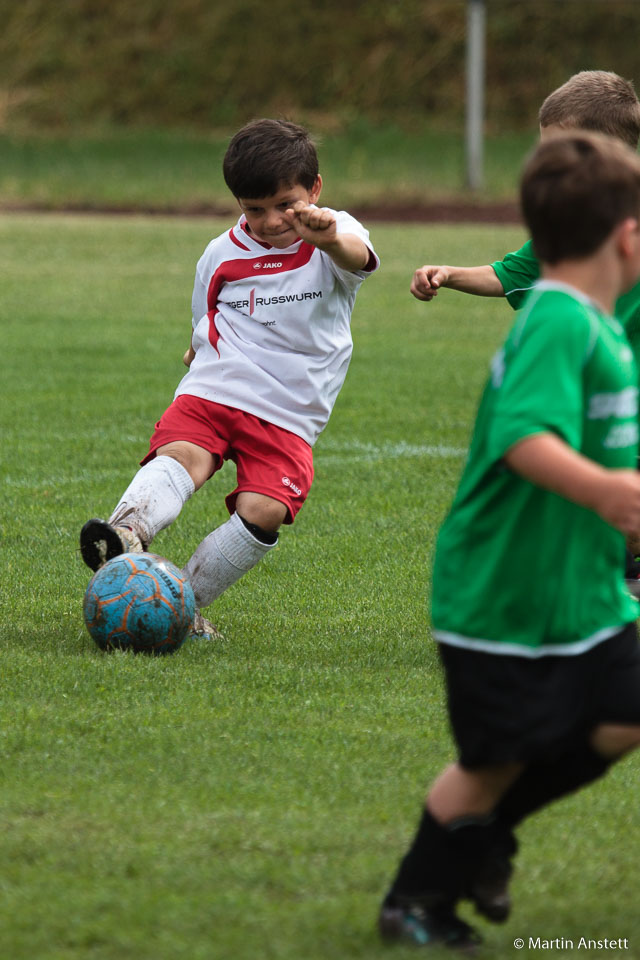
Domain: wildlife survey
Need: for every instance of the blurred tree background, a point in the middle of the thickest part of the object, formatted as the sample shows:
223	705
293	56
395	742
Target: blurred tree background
86	64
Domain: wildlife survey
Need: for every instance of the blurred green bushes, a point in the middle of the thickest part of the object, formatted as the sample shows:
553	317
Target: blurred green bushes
197	63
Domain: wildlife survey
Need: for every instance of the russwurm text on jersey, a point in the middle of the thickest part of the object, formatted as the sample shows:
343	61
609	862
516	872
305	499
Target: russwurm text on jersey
254	301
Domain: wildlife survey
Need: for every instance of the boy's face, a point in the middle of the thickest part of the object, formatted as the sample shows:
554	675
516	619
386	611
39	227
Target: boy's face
266	216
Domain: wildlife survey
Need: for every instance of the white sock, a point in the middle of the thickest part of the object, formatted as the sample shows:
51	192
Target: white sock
222	558
154	498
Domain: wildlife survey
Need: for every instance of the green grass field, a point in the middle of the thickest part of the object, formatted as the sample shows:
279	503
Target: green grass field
248	799
162	169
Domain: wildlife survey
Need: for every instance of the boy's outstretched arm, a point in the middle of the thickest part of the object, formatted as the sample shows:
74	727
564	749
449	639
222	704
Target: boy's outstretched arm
548	462
317	225
483	281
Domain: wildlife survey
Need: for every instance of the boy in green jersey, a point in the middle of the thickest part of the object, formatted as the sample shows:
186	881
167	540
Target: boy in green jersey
590	100
543	676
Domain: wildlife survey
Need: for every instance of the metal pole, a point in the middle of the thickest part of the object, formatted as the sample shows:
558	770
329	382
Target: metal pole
475	81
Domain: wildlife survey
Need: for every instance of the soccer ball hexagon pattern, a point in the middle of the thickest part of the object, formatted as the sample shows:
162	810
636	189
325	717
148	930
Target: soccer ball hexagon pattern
140	602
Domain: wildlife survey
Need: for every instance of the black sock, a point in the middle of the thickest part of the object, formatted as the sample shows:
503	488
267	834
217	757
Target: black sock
438	867
264	536
542	783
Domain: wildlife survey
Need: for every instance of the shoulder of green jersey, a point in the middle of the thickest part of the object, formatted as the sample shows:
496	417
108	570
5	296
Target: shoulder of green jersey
593	311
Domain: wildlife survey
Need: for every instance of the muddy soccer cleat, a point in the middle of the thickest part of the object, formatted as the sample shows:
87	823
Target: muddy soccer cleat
99	542
424	927
203	629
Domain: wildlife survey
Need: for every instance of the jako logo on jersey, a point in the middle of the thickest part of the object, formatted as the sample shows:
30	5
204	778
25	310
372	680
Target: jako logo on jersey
266	266
292	486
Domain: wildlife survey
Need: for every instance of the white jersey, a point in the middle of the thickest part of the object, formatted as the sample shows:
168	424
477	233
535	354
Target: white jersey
271	327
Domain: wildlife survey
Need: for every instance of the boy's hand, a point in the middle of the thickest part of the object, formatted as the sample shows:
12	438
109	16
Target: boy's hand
481	281
619	503
545	460
426	281
318	226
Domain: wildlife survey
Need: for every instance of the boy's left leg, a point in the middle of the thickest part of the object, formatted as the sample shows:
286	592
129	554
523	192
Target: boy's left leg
543	783
538	786
233	548
613	740
614	730
616	664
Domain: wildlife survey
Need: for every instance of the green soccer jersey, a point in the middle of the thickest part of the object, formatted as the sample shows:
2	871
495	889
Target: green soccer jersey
519	569
519	270
517	273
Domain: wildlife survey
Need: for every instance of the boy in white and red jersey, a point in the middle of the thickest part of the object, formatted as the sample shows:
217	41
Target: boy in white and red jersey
270	348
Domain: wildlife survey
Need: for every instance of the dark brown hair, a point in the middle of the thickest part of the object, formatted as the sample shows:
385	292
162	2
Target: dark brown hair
595	100
266	155
575	189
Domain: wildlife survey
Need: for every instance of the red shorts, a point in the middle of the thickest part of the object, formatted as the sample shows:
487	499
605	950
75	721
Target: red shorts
269	459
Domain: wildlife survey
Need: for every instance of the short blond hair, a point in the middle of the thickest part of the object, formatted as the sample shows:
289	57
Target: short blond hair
595	100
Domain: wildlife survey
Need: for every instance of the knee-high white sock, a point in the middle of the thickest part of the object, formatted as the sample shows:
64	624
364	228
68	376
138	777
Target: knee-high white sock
154	498
222	558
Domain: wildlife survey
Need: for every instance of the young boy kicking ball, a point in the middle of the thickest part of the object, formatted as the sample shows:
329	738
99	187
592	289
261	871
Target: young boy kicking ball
543	676
269	352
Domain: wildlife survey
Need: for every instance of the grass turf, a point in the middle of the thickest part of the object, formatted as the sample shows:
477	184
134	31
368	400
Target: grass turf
248	798
161	169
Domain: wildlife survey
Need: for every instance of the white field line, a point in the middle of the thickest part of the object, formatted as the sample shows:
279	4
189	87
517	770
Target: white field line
357	451
104	433
330	452
53	480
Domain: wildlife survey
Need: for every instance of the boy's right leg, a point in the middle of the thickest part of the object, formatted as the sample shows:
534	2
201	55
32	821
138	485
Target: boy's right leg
151	502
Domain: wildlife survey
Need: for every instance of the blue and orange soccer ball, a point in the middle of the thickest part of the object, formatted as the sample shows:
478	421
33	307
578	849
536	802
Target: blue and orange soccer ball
139	602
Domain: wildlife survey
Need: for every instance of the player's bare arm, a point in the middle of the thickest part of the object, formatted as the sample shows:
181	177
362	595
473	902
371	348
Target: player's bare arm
188	356
317	225
547	461
482	281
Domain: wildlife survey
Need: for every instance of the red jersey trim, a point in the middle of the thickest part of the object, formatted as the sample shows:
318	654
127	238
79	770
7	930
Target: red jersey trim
214	333
245	226
230	271
233	237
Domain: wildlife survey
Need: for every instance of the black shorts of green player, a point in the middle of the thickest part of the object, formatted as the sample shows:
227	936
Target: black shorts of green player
539	711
